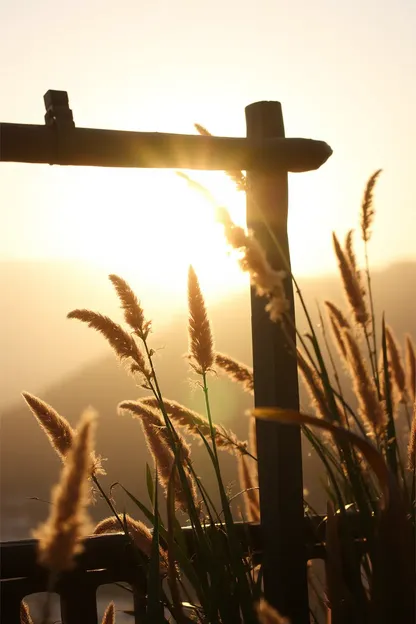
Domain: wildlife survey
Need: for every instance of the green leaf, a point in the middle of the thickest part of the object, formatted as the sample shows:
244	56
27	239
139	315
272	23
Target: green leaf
172	572
154	612
150	486
391	443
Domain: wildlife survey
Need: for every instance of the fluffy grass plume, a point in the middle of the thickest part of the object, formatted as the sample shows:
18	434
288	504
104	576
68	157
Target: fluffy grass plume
25	617
201	343
139	533
349	250
266	281
133	311
314	387
122	342
334	311
367	209
370	409
58	430
60	536
338	322
196	424
236	371
146	413
109	616
159	446
352	286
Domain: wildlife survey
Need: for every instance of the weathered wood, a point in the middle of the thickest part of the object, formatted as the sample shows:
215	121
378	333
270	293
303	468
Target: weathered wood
276	384
117	148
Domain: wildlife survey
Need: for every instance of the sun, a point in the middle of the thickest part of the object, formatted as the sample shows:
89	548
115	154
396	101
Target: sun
149	226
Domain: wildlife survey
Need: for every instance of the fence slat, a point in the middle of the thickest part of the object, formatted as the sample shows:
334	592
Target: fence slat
276	384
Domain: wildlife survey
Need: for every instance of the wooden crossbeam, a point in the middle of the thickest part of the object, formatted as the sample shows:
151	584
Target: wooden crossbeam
90	147
59	142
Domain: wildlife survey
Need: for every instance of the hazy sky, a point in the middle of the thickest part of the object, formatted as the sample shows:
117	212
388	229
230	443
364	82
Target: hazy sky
344	72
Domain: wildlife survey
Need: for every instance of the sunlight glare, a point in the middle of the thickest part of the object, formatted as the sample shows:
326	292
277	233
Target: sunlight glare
149	226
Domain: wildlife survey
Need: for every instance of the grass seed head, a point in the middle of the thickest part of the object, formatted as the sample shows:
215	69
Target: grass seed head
201	343
60	536
367	209
133	311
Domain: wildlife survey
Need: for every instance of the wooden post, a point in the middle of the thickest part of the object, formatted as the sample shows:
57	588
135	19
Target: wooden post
276	384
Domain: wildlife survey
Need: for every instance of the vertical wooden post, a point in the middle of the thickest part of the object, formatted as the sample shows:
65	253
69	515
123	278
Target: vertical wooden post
276	384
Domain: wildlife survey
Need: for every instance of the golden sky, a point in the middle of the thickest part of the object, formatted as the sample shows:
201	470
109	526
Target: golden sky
344	73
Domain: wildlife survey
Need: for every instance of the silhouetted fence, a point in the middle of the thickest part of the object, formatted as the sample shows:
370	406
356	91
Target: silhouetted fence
108	559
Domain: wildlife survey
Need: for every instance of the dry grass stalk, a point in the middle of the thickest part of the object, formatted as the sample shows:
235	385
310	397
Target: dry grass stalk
410	368
315	388
252	436
201	344
352	286
381	375
370	409
397	371
411	449
145	413
338	322
236	371
139	533
25	617
334	311
195	424
122	343
248	485
133	311
264	278
109	616
60	536
159	446
58	430
268	614
367	210
252	445
349	250
237	177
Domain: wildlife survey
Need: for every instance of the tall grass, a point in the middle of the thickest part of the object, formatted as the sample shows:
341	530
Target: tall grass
370	522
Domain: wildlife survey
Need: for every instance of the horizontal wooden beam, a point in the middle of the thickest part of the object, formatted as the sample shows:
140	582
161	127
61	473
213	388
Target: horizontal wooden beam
19	558
88	147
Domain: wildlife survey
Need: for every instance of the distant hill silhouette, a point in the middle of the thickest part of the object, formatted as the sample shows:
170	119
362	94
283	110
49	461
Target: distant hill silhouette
28	464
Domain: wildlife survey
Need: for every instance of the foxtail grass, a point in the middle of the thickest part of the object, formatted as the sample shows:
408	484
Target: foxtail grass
238	372
368	478
109	616
25	617
60	537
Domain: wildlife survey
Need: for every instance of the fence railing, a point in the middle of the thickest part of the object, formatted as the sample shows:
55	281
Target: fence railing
109	559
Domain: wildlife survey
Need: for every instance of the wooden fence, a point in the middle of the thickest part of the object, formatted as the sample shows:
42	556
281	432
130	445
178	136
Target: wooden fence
267	157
